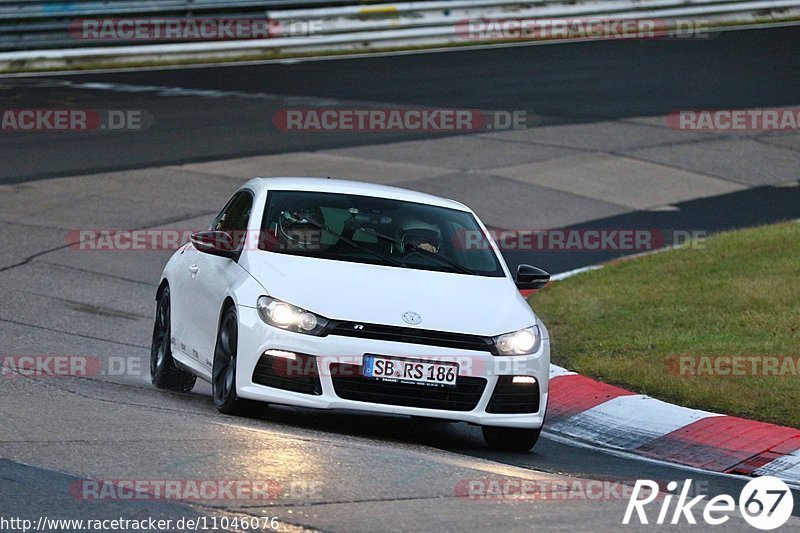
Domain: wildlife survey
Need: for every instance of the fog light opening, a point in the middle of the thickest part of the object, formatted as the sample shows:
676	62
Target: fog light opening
528	380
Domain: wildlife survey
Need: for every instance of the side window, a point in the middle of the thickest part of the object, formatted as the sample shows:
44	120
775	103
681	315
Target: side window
234	216
236	213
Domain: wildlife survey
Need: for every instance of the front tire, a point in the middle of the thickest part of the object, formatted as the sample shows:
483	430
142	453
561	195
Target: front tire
164	373
223	374
510	439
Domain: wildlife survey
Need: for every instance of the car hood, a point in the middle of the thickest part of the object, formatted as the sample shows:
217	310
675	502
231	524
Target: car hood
377	294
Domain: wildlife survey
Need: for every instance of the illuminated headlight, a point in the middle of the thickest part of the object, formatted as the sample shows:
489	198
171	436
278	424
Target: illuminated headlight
523	342
286	316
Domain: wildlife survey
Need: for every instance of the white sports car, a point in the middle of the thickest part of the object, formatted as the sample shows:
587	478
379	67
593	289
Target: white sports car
333	294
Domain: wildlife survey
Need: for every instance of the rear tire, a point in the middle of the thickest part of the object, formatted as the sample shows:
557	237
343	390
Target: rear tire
164	373
510	439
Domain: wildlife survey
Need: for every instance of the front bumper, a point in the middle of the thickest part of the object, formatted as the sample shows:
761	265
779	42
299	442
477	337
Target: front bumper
332	351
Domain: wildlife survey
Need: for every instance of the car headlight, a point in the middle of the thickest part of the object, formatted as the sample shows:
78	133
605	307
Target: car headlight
523	342
289	317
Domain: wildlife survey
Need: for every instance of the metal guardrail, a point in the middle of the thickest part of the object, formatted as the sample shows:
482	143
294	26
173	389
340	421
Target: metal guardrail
39	9
348	19
346	26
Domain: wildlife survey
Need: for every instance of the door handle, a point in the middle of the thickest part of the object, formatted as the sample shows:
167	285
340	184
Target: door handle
193	269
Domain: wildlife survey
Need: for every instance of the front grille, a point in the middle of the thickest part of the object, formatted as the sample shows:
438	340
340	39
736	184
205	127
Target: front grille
509	397
463	397
298	375
427	337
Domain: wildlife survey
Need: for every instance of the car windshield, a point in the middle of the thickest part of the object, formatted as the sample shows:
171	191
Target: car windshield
364	229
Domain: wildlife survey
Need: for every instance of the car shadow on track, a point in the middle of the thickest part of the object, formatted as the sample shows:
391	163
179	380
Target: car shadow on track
402	429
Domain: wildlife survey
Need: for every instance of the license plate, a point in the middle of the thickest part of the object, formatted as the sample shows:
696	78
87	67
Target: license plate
414	371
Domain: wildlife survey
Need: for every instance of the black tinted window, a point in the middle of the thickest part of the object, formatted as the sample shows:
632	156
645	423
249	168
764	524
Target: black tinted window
364	229
235	215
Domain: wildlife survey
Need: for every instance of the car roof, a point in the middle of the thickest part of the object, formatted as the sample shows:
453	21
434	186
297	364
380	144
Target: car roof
360	188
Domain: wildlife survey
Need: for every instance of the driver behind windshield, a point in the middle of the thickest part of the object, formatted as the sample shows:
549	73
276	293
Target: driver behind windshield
413	234
301	229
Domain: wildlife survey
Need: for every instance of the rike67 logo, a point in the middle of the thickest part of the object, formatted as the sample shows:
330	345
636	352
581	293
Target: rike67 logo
765	503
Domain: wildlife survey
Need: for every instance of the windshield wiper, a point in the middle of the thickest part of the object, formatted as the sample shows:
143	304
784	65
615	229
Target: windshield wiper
400	245
355	245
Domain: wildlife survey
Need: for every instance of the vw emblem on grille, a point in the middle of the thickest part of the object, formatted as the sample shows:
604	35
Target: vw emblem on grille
410	317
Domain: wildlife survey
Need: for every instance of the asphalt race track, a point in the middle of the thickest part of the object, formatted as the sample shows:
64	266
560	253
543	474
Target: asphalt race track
595	103
568	83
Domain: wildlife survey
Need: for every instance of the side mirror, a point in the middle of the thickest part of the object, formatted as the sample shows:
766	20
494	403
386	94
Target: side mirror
531	277
215	242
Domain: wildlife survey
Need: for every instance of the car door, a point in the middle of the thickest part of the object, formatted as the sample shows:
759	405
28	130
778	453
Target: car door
181	295
211	276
